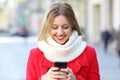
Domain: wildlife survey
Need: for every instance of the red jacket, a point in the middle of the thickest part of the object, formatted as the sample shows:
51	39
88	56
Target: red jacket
85	67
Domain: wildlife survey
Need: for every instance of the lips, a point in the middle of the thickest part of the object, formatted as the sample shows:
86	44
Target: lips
60	38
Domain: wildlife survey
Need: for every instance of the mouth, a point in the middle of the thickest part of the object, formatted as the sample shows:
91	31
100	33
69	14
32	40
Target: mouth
60	38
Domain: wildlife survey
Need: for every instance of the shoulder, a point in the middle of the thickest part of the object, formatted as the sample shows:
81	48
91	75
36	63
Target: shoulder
35	52
88	48
90	51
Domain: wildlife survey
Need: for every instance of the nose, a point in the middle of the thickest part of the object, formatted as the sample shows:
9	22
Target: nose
60	31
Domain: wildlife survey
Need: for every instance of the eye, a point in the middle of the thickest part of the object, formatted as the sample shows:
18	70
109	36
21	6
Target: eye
65	27
54	27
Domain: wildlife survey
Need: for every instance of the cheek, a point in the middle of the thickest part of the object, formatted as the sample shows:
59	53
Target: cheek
69	32
53	33
69	35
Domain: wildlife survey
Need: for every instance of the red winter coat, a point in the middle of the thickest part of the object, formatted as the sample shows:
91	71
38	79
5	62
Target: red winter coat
85	67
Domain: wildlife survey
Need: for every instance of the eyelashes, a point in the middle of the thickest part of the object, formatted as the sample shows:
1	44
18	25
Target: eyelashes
63	27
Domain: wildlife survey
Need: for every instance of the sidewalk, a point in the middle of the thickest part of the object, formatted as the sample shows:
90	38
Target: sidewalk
108	63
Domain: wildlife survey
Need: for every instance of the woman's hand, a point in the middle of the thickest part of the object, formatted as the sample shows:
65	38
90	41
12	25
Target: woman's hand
71	75
56	73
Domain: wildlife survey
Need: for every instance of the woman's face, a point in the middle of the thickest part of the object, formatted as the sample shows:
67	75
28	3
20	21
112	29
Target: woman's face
61	29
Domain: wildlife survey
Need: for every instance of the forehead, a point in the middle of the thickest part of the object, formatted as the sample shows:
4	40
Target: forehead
60	19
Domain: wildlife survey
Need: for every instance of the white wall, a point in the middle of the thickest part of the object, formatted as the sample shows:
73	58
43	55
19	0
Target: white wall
93	36
116	14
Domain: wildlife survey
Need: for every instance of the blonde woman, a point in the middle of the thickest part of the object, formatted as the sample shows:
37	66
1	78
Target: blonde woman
60	40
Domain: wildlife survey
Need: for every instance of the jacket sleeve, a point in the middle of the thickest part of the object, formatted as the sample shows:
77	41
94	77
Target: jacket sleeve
31	73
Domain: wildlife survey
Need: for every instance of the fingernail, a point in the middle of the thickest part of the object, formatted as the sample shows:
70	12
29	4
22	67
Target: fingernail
66	77
56	79
59	68
67	73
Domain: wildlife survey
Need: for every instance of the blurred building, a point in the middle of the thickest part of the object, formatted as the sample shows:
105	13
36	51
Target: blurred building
93	15
96	15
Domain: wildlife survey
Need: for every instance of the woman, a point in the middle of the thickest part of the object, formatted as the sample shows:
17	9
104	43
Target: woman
60	40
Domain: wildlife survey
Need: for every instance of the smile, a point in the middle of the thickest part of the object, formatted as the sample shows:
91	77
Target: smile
60	38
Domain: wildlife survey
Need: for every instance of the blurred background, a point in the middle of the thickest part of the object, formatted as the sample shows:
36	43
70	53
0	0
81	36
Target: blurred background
20	21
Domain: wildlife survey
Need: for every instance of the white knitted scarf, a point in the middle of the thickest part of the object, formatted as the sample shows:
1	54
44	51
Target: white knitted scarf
54	51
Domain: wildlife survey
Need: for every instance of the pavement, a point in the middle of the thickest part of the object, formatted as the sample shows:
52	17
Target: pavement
108	62
14	52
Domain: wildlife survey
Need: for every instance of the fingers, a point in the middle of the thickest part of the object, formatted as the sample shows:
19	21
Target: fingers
59	73
71	75
56	73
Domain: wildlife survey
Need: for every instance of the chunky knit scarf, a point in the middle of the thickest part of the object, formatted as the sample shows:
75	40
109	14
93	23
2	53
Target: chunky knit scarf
54	51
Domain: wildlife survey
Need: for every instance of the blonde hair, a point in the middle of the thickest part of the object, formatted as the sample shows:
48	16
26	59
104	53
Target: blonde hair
59	8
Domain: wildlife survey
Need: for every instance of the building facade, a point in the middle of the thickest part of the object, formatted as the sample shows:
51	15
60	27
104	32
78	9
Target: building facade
97	15
94	16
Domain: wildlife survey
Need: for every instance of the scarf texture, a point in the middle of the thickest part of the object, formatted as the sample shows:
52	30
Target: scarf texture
54	51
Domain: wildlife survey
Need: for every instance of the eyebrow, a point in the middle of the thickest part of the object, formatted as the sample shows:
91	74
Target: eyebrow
62	25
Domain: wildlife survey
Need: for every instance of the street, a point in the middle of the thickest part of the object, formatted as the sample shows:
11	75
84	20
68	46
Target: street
14	55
